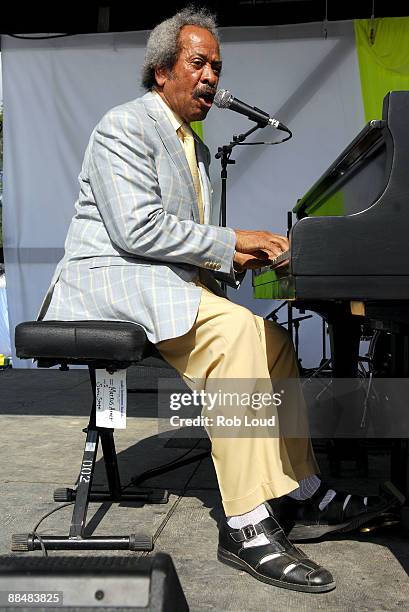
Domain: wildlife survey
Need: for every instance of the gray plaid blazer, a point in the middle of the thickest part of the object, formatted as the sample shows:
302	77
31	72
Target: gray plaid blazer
135	245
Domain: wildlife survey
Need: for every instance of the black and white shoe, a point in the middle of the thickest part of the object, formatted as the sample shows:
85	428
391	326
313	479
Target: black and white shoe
303	520
278	563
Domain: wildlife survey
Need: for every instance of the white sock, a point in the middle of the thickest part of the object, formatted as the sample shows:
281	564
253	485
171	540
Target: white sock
306	488
250	518
328	497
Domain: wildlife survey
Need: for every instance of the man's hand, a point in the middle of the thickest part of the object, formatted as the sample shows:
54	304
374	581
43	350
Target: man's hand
244	261
255	249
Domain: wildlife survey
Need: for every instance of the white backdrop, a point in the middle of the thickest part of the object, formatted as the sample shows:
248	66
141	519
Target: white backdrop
56	90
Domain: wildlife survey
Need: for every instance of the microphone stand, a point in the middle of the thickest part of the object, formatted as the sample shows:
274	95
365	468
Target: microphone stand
224	153
273	314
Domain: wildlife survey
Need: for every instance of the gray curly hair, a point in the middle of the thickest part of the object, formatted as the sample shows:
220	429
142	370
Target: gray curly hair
163	47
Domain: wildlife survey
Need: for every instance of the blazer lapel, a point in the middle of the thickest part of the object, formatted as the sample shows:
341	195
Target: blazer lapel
172	145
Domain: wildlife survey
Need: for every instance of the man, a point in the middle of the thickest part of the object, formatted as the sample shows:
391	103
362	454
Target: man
140	248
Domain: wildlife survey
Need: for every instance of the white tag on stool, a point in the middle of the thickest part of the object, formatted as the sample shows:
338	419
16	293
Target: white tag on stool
110	397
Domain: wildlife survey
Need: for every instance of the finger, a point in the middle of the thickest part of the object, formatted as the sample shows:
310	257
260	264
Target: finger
274	252
264	254
282	242
275	246
254	264
282	264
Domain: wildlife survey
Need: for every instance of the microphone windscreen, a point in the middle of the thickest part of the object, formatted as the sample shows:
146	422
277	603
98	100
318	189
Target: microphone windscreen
222	98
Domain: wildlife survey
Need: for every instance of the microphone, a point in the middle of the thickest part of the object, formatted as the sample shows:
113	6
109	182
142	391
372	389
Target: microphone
224	99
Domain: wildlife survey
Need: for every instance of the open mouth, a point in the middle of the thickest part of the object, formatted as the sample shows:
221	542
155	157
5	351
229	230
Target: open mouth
206	99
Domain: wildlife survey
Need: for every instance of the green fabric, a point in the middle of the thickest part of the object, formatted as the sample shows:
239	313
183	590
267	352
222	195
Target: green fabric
197	126
383	55
334	206
273	285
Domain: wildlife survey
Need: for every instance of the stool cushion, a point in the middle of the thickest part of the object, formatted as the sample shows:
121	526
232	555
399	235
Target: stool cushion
82	341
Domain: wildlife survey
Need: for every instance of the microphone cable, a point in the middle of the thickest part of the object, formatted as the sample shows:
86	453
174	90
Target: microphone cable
277	142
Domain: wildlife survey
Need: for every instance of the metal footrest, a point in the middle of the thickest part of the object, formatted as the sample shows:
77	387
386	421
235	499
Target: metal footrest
24	542
64	495
160	496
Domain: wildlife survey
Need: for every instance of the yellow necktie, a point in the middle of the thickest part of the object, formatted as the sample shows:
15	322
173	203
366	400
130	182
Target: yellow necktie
189	147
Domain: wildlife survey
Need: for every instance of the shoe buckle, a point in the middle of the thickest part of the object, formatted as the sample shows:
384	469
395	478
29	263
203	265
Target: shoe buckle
249	532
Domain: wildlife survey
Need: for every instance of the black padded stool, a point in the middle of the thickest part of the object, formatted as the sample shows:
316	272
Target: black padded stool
110	345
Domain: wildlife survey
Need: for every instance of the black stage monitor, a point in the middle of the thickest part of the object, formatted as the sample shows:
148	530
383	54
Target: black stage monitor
91	583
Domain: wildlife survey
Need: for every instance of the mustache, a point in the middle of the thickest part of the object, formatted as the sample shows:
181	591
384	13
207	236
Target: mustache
205	91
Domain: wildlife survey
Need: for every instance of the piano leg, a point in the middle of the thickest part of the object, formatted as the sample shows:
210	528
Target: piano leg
400	446
345	333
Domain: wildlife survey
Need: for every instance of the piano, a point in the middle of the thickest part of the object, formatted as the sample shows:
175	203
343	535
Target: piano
349	247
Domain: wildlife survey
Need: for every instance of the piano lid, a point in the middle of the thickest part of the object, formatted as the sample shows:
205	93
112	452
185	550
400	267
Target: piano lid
363	163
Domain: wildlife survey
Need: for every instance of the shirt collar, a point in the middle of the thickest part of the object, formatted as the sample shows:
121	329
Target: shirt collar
175	120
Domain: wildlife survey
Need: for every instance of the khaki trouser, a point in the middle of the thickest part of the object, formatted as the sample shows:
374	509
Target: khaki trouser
229	342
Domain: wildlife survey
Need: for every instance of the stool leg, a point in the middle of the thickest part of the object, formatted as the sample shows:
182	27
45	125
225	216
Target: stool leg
111	463
24	542
115	492
82	495
108	448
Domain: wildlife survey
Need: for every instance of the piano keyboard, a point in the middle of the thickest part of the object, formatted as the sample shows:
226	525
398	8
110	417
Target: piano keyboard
282	257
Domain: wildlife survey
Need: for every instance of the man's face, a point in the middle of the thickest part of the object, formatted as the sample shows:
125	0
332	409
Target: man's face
190	86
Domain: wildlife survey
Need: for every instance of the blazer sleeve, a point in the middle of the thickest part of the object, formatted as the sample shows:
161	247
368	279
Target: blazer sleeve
233	278
123	179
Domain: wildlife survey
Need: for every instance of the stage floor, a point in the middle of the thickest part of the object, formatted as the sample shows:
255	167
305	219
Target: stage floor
42	413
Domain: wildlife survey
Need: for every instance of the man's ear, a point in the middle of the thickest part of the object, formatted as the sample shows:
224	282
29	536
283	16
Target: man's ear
161	76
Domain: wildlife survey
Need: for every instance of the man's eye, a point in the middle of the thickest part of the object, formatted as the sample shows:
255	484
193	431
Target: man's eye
198	63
